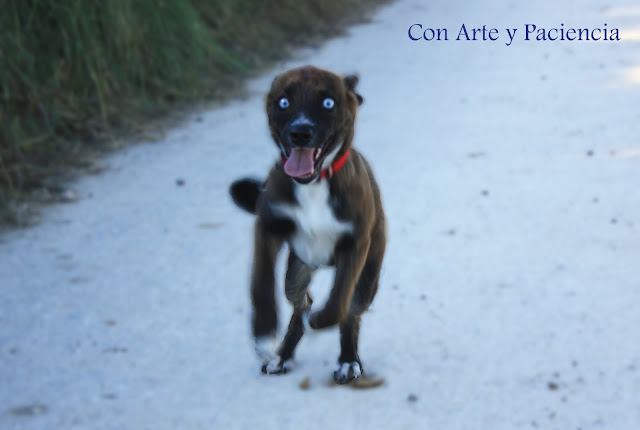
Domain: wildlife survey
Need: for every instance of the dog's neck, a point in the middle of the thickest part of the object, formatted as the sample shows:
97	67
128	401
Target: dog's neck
335	166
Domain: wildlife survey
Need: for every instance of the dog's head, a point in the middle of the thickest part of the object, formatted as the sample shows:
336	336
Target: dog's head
311	115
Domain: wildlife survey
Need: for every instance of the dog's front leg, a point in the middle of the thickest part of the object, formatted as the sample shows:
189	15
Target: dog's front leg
350	255
265	317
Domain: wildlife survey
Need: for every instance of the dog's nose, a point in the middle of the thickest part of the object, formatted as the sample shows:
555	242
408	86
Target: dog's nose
301	134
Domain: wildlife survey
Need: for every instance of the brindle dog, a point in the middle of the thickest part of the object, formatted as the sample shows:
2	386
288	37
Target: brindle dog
323	200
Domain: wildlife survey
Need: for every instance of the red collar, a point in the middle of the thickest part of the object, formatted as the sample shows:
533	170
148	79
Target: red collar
335	166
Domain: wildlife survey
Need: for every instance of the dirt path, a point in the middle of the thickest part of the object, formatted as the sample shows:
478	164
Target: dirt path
511	291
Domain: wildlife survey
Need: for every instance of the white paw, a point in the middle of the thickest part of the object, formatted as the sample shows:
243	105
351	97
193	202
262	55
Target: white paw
276	366
265	347
347	372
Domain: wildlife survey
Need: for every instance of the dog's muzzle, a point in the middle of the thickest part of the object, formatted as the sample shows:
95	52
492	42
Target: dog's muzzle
301	134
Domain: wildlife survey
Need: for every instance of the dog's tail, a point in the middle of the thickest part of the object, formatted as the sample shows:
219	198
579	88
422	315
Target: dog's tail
245	193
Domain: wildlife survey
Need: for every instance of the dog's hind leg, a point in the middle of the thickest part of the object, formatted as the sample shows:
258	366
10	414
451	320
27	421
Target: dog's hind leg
265	317
296	282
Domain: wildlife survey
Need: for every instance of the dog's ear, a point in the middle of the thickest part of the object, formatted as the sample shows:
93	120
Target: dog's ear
351	81
245	192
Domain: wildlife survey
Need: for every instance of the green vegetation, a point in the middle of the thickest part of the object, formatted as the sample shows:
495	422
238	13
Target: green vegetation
73	72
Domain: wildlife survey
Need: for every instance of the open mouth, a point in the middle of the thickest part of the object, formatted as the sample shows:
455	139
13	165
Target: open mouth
303	164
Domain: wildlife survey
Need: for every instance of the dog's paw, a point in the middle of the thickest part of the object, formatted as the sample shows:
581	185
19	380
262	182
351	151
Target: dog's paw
347	372
277	366
314	320
324	318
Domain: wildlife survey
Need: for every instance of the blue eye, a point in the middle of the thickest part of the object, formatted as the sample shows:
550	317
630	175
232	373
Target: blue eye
328	103
283	103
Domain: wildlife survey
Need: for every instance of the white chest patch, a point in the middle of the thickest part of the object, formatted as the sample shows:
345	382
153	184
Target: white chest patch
317	229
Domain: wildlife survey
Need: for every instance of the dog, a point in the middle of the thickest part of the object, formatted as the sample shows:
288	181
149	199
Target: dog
322	199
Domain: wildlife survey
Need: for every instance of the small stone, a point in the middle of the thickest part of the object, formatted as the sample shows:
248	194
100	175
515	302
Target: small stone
476	154
68	196
552	386
95	168
412	398
180	182
305	384
29	410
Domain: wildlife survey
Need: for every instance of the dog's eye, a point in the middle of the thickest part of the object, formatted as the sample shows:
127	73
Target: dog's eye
283	103
328	103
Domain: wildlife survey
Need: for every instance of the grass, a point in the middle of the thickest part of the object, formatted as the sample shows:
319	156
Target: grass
74	74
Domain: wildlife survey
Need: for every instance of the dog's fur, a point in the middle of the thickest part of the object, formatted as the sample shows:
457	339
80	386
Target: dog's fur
336	221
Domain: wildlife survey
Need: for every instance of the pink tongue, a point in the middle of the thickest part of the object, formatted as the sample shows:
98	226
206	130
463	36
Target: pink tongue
299	163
